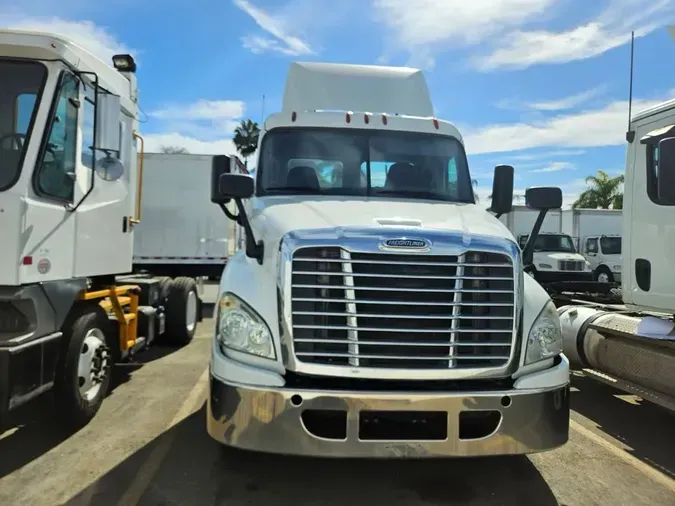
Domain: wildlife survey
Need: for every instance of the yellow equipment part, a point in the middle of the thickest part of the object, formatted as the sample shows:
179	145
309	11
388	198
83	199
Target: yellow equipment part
123	302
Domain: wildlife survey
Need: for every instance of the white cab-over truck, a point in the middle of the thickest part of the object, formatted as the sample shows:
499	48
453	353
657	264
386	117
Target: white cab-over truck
556	258
597	234
376	310
632	347
70	183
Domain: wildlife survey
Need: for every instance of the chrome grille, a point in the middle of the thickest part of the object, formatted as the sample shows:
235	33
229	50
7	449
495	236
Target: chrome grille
570	265
391	310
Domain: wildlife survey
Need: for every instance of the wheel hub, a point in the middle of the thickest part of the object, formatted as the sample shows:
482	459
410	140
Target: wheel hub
94	364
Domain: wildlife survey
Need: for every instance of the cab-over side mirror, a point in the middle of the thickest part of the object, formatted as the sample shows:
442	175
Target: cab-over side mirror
543	197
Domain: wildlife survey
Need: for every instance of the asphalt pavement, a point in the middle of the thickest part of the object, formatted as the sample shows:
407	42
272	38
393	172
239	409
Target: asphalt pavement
148	446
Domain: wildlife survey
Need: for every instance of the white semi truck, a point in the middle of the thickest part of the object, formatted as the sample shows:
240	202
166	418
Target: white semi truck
597	234
556	258
70	183
376	310
632	346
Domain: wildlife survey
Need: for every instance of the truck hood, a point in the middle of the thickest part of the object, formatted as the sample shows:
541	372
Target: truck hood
273	217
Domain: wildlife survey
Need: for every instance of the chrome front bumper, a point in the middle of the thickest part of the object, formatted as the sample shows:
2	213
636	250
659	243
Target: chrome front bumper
271	420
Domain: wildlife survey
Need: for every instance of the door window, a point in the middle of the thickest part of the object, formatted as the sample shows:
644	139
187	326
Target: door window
55	172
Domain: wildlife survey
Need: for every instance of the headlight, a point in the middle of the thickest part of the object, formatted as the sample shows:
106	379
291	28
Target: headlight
587	265
545	266
240	328
545	337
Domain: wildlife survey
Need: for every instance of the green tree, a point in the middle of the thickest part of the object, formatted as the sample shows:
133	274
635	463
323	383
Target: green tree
245	139
604	192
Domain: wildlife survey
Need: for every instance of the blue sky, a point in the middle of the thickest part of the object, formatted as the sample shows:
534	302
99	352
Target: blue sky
538	84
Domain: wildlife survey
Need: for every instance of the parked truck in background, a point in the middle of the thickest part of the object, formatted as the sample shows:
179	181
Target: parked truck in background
632	346
597	234
376	310
181	233
70	206
556	258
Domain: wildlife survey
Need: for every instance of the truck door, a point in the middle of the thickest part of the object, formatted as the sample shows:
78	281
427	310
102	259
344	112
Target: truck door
591	250
649	225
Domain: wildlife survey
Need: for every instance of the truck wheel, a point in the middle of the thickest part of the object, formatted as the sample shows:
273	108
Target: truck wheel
164	284
84	371
182	306
604	275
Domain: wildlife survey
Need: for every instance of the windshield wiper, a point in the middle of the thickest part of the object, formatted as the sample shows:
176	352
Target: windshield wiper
292	189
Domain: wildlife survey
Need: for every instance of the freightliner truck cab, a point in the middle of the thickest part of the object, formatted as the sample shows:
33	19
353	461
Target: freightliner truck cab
376	310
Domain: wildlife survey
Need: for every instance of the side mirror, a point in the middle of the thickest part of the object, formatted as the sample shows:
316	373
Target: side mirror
543	198
502	190
108	111
236	186
220	164
666	177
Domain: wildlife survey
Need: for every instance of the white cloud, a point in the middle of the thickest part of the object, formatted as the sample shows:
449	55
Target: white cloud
96	39
546	154
426	22
421	25
605	126
202	110
555	167
522	49
201	127
282	41
154	143
567	102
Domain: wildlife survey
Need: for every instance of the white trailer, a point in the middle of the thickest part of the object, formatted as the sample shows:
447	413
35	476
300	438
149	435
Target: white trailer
597	234
556	258
181	233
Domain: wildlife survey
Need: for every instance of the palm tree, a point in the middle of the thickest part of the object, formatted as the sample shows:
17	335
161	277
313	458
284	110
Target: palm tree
246	139
604	191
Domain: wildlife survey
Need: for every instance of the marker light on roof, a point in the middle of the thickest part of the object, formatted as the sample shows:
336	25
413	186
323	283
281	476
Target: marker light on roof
436	124
366	118
384	119
348	117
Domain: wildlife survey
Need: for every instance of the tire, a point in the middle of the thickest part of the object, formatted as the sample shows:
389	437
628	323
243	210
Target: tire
182	311
164	284
83	373
604	275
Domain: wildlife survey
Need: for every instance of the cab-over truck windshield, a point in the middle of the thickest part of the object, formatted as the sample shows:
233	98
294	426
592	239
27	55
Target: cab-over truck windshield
21	84
373	163
552	243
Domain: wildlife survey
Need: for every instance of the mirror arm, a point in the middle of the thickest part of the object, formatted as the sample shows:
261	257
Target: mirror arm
528	252
498	215
234	217
253	249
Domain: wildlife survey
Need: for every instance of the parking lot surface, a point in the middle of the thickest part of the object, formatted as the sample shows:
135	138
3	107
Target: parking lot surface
148	446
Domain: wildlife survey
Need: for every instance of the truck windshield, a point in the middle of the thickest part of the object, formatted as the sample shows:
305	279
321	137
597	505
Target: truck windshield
374	163
550	243
20	88
611	245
